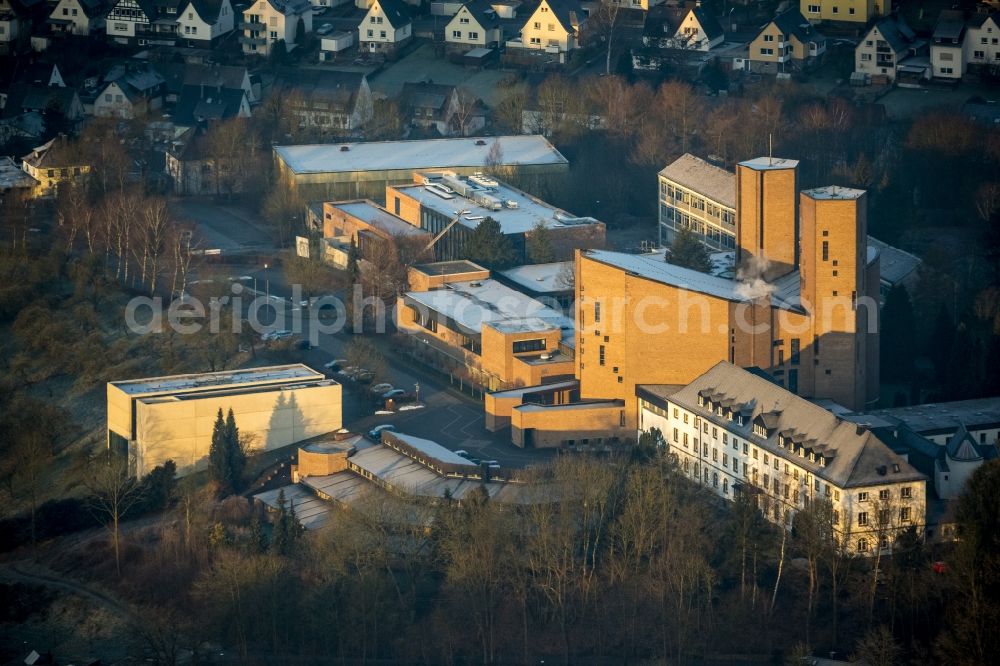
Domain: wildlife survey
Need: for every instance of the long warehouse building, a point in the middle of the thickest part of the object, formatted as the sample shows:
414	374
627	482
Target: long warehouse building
328	172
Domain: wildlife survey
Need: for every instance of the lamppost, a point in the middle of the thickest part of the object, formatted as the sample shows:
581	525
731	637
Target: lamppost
416	393
267	285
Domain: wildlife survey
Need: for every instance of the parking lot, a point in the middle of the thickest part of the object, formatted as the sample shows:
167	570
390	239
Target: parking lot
448	417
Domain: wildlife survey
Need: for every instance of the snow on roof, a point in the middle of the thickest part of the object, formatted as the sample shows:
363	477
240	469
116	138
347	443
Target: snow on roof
311	512
853	456
833	192
420	154
11	175
369	213
894	264
700	176
934	418
433	450
214	380
515	211
473	304
767	163
653	267
540	278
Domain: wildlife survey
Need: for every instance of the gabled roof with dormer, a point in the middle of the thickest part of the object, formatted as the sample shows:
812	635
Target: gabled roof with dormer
199	104
482	11
395	12
335	91
569	13
90	8
792	22
56	153
894	30
709	24
207	10
285	7
843	453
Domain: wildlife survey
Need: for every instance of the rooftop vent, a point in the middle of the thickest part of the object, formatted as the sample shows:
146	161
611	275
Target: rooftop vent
475	284
344	149
882	470
480	142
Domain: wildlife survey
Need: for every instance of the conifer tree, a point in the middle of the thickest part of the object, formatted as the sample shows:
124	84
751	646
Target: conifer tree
219	460
688	251
234	451
488	247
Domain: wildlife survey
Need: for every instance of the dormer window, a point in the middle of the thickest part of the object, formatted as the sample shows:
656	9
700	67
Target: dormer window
781	441
822	461
759	430
701	401
739	419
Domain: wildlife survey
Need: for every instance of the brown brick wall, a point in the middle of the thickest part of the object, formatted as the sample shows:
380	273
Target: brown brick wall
766	205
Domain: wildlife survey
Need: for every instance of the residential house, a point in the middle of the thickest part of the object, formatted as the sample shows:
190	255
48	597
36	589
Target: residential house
983	41
79	17
885	47
178	75
442	108
476	25
130	91
336	103
851	11
638	5
200	104
738	433
202	23
554	27
143	22
54	163
699	30
787	43
266	22
385	28
948	45
44	74
15	179
34	98
659	25
15	26
193	170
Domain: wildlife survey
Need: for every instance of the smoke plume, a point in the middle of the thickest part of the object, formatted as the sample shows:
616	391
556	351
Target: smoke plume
751	279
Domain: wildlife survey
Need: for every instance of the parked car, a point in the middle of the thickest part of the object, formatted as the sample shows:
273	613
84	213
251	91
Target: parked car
394	394
336	364
375	434
324	29
462	452
380	388
276	335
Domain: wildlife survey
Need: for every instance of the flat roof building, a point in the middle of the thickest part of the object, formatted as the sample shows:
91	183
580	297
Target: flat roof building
156	419
462	321
802	305
325	172
434	199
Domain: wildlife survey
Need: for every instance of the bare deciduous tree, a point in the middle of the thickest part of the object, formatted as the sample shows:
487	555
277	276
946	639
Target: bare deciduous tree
114	491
